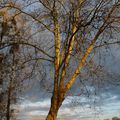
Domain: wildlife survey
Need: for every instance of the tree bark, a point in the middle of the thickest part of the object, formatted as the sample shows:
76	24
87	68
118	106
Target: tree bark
53	109
8	105
55	105
52	114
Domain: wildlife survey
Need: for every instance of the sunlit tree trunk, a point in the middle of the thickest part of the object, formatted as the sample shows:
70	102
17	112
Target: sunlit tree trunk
55	105
53	110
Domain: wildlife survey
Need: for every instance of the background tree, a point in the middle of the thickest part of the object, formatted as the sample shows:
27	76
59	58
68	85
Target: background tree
17	57
11	75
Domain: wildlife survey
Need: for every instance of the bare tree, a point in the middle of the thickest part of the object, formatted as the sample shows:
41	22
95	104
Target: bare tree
77	27
10	64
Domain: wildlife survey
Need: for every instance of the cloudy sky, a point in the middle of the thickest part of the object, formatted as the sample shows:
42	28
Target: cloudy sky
107	107
35	106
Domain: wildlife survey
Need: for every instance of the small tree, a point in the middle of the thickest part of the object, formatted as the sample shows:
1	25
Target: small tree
10	62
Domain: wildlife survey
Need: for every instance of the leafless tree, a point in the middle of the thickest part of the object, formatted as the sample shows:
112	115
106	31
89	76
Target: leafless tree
77	28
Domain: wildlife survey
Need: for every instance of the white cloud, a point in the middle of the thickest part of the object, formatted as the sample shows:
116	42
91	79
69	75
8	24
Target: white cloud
29	108
29	104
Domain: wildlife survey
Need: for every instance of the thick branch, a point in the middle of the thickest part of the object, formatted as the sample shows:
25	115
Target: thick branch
70	46
82	62
89	49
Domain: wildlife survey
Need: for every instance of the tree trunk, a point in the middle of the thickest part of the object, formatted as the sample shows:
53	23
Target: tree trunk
53	110
8	105
55	105
52	115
